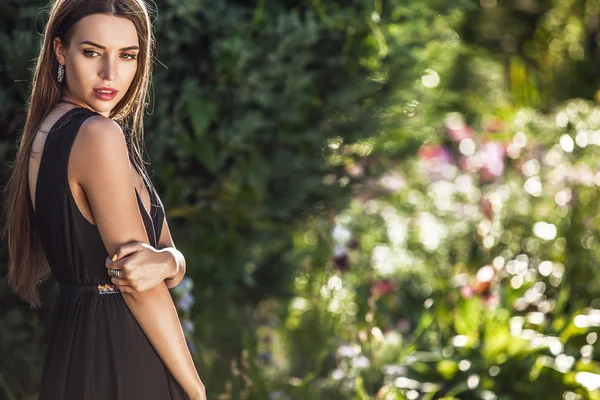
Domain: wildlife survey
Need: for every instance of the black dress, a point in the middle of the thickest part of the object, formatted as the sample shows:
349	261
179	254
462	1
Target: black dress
96	348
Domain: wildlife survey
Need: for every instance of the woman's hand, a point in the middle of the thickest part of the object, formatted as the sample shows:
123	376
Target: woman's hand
142	266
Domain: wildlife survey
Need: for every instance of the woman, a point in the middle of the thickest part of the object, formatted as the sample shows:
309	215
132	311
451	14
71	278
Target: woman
79	193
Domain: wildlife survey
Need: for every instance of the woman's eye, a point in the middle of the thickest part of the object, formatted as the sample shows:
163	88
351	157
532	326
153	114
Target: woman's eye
89	53
129	56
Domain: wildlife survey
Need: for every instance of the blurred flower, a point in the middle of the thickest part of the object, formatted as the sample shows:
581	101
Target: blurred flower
191	345
491	299
493	125
456	129
265	356
431	230
382	288
185	302
459	134
185	286
341	263
360	362
337	374
467	291
341	235
403	325
484	276
340	258
393	182
355	170
329	179
278	395
486	207
481	286
348	351
339	250
342	238
394	369
188	326
435	153
492	157
438	162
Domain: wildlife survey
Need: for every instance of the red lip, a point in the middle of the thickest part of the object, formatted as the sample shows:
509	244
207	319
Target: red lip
106	96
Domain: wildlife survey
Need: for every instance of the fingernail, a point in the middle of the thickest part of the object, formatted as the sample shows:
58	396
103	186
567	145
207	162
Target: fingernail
114	258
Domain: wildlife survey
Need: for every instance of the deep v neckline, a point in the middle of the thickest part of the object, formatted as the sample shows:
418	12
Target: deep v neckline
141	202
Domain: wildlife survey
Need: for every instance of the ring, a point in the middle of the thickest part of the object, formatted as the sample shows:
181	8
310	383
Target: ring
116	273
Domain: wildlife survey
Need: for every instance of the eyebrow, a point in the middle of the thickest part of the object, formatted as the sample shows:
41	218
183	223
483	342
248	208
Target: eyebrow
104	48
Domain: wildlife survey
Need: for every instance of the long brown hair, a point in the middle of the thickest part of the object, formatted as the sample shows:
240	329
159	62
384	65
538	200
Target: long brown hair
28	265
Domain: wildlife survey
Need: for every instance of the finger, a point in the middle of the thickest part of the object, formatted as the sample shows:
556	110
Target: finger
126	249
110	264
121	262
126	289
117	267
120	281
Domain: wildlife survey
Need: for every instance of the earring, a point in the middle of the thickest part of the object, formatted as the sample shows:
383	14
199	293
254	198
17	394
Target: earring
61	72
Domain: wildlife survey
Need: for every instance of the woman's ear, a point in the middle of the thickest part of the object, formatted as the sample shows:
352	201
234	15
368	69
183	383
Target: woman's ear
59	50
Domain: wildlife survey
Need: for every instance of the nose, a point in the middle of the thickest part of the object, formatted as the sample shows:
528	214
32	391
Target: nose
108	69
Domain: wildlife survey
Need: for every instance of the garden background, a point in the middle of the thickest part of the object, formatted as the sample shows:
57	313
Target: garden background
376	199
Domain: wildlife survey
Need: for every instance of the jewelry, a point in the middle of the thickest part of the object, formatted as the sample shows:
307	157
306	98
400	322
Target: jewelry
115	273
108	289
61	72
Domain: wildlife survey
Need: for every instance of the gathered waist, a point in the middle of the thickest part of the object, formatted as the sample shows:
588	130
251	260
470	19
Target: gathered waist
106	288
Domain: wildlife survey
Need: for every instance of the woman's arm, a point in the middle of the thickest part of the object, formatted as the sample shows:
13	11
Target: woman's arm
101	162
156	313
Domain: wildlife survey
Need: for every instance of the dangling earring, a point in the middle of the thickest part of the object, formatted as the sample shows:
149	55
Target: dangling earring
61	72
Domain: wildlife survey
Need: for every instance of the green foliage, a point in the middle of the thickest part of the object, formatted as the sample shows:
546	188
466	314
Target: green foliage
273	127
247	100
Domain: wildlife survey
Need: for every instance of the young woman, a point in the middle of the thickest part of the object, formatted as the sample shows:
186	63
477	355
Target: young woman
79	204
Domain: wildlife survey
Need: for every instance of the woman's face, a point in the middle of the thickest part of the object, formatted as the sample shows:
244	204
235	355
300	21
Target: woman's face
101	61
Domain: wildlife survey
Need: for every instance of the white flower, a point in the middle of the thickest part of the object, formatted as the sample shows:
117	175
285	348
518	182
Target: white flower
341	235
348	351
360	362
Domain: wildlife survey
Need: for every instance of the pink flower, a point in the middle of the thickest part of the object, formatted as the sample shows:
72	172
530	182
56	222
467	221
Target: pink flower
459	133
467	291
491	299
456	129
403	325
482	286
435	153
437	160
486	207
492	156
382	288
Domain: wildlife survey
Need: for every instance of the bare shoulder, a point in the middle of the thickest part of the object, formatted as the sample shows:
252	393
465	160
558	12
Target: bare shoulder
99	131
99	147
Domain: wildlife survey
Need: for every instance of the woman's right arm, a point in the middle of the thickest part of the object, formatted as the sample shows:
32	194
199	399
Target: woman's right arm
100	159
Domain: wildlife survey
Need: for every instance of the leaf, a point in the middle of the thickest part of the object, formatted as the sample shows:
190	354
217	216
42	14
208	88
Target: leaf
202	114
